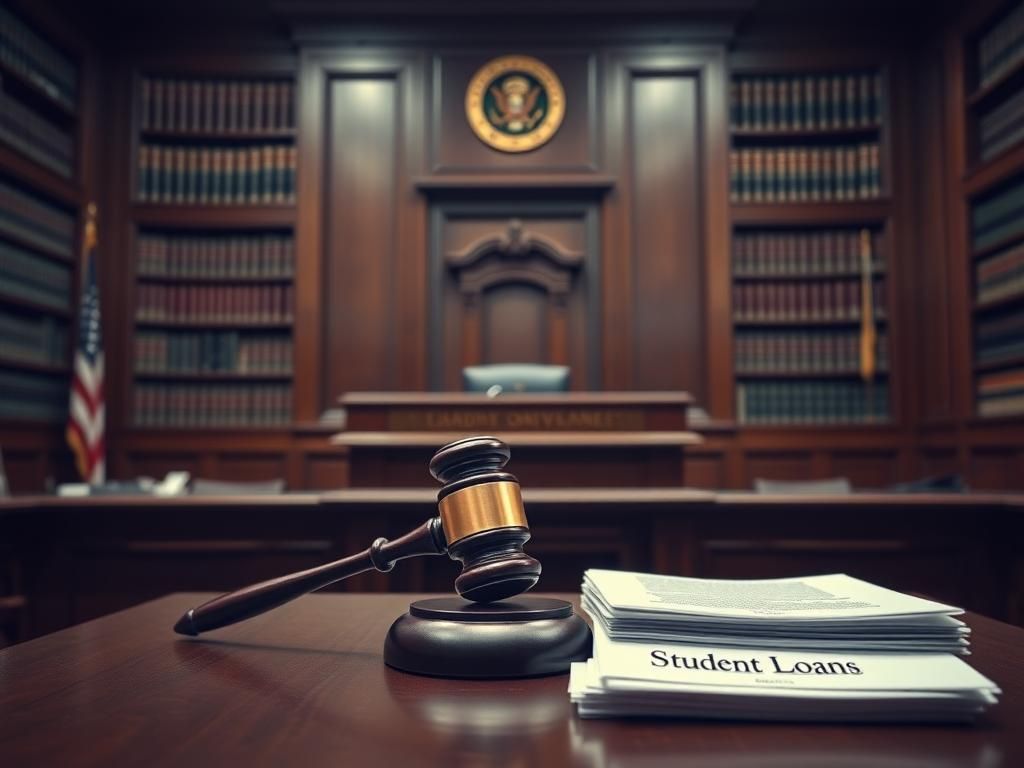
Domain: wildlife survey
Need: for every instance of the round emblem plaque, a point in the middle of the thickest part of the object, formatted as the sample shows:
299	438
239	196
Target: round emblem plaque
515	103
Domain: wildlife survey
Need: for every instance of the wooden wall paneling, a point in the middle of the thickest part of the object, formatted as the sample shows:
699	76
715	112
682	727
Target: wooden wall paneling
116	264
361	260
994	468
672	170
928	284
668	306
897	148
956	230
360	225
616	287
705	469
780	465
868	468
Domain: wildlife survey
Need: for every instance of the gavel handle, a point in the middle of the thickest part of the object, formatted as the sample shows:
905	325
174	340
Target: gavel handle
427	539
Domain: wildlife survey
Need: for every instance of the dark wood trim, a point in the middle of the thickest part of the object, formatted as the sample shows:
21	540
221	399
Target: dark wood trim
802	276
44	180
281	134
981	96
849	374
226	376
215	216
66	111
246	324
563	182
44	250
785	134
606	397
214	280
796	323
981	177
789	214
1002	362
36	306
29	365
994	305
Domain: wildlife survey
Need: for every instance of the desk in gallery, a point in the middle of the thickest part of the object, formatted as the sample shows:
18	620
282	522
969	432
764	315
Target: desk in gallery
305	685
570	439
76	559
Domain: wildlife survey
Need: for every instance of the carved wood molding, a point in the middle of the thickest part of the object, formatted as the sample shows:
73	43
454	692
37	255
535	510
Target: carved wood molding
514	256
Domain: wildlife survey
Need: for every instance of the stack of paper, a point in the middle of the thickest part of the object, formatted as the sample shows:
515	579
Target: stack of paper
818	648
823	613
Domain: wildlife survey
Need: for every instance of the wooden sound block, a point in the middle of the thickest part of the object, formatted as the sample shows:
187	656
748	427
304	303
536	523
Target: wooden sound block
519	637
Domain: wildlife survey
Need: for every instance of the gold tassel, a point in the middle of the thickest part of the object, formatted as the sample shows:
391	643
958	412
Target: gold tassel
867	310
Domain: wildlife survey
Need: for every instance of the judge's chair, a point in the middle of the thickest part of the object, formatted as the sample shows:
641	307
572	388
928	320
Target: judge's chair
515	377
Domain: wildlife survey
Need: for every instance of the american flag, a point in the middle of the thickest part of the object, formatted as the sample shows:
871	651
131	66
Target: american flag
85	430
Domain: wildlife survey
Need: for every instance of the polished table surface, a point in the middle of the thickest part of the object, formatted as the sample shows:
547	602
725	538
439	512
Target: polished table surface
305	686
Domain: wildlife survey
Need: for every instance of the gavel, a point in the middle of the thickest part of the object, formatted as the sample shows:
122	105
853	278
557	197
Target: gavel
481	524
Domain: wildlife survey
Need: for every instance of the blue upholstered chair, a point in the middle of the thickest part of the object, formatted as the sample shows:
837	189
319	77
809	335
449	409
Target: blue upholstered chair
515	377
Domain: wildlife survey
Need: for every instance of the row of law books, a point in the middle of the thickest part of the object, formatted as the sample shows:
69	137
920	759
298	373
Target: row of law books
826	300
799	174
806	102
36	221
811	402
29	396
1000	336
216	256
255	174
217	106
998	217
1001	275
212	405
215	304
814	351
827	648
1002	46
35	137
32	57
32	338
1001	393
29	275
1001	127
212	352
800	252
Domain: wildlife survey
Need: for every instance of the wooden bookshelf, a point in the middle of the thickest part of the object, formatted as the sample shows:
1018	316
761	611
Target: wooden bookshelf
40	91
227	145
992	186
807	175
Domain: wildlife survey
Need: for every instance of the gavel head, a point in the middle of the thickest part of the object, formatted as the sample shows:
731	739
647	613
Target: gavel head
483	519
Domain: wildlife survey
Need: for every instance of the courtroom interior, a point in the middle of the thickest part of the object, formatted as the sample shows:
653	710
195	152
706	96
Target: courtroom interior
741	284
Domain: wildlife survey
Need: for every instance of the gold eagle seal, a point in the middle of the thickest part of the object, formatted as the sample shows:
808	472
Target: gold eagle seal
515	103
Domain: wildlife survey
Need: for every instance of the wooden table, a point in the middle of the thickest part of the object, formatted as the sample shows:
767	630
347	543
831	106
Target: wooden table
305	686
